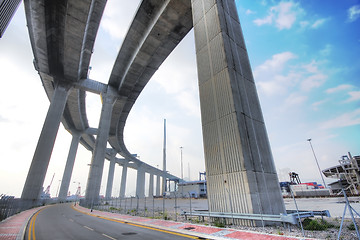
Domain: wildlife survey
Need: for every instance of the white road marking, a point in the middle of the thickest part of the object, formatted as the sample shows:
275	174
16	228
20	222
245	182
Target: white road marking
108	236
71	220
88	228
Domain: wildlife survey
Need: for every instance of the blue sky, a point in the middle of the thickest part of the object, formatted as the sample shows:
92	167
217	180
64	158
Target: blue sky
304	56
305	59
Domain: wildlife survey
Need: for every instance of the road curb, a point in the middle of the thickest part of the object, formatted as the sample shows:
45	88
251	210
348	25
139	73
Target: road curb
180	231
26	223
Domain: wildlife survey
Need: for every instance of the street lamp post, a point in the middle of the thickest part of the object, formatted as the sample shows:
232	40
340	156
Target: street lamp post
309	140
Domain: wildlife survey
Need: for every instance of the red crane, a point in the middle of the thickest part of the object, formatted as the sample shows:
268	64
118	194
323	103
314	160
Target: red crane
47	191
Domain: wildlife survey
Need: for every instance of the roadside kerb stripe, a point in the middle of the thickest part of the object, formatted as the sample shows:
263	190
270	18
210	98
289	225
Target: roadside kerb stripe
140	225
31	230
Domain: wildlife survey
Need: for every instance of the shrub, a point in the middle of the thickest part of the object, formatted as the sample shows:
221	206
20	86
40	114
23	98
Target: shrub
316	225
218	224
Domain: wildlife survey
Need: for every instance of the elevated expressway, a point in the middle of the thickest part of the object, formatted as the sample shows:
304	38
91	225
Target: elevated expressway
62	35
241	174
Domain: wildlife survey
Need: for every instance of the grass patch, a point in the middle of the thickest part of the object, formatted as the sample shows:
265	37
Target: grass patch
351	227
218	224
316	224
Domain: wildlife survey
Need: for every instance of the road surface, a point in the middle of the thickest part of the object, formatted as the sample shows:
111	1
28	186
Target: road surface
61	221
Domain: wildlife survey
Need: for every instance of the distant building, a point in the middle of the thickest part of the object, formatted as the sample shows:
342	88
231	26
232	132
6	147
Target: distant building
196	189
7	10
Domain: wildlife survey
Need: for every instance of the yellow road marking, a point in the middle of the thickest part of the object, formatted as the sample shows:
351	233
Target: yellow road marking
108	236
31	230
137	225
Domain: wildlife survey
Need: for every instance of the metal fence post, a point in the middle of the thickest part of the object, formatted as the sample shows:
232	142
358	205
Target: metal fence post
145	207
175	208
190	205
153	208
137	204
164	205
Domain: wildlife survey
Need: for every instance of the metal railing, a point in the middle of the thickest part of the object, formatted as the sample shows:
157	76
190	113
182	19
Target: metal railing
292	218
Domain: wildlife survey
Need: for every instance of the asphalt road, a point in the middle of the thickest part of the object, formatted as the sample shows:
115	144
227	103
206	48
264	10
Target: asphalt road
63	222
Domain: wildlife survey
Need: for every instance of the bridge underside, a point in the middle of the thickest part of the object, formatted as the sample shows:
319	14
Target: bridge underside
240	169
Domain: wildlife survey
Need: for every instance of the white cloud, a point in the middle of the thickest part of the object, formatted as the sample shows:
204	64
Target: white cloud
282	15
294	99
117	17
344	120
267	20
277	84
249	12
326	51
353	13
313	81
318	23
316	105
269	74
338	88
312	76
276	63
354	96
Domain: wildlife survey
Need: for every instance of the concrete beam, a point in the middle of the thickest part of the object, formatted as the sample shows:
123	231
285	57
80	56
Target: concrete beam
97	161
151	185
65	183
158	186
110	180
123	181
36	175
90	85
140	182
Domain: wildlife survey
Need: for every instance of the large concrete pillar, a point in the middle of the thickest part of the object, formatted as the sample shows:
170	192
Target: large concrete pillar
240	170
36	175
110	179
123	181
151	185
140	182
65	183
158	187
98	157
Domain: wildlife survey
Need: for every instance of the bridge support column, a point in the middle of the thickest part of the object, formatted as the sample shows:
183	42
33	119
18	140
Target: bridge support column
158	185
151	185
240	170
110	179
65	183
140	182
98	157
123	181
36	175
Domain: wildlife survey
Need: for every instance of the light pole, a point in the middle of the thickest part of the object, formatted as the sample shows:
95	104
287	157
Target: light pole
309	140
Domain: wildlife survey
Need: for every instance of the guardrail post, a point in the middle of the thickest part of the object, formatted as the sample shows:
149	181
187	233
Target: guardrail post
297	210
